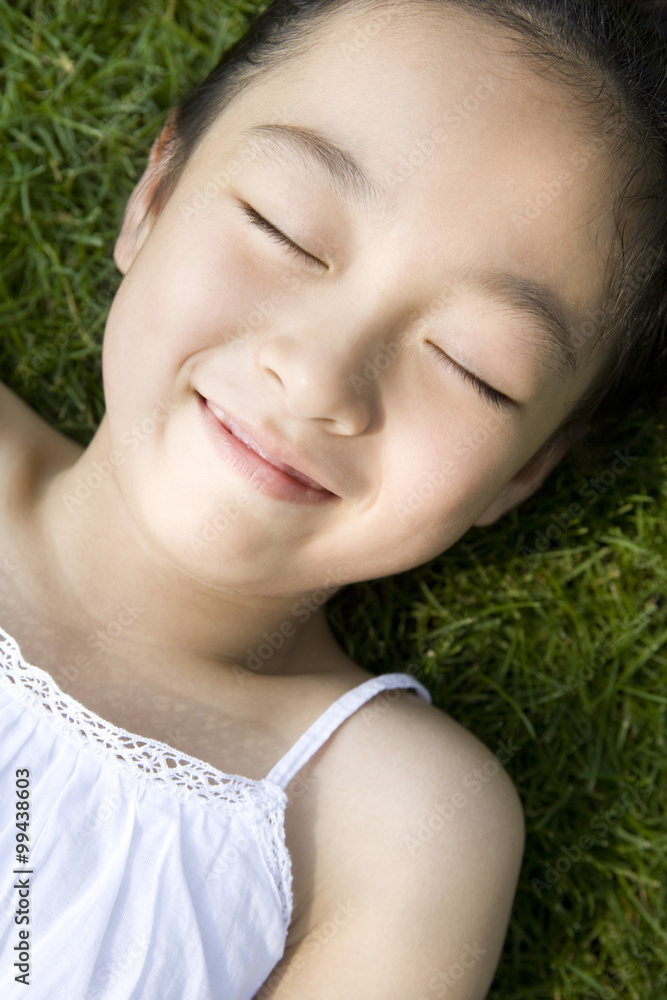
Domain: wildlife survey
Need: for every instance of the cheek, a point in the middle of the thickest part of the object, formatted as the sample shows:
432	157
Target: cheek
441	431
185	293
439	479
196	295
446	473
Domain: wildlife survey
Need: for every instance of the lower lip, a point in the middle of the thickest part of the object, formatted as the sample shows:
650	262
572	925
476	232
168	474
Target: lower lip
261	474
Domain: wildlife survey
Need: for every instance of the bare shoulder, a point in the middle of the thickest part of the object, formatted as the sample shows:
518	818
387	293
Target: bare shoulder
17	419
412	766
421	845
12	407
24	434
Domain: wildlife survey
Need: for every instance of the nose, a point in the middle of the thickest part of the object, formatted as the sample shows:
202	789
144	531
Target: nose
333	375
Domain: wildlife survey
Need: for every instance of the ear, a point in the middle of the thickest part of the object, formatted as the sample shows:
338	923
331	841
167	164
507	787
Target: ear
138	220
525	483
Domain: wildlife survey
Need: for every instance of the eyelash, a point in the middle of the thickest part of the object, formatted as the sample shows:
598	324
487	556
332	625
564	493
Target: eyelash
493	396
280	237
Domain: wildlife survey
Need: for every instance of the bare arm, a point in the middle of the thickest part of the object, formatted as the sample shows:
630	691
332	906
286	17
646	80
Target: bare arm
419	906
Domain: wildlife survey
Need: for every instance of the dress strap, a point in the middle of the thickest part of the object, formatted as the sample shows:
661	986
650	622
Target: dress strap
345	706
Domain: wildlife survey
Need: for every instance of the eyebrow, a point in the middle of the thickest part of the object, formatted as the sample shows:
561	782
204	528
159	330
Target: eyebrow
345	174
539	304
352	183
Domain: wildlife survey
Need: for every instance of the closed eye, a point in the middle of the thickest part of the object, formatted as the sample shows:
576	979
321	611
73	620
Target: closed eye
280	237
487	392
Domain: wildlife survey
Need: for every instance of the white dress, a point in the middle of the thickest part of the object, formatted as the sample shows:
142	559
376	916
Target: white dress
150	875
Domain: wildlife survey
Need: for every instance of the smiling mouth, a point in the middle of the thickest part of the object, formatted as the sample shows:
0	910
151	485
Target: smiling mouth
249	442
246	439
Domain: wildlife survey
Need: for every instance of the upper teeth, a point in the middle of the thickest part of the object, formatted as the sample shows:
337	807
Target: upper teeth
239	433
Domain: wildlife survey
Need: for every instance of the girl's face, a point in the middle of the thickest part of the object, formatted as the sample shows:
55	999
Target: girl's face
453	218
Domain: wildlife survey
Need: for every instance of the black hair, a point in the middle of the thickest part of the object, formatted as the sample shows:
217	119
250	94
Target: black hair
613	51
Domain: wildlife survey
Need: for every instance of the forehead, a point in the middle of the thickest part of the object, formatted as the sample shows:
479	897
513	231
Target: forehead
473	161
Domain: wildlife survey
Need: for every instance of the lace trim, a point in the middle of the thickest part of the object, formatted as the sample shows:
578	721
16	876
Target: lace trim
177	774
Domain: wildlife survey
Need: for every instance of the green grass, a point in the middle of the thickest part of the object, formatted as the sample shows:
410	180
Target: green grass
560	654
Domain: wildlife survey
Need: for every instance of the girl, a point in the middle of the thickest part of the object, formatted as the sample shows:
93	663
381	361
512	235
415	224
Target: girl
204	806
